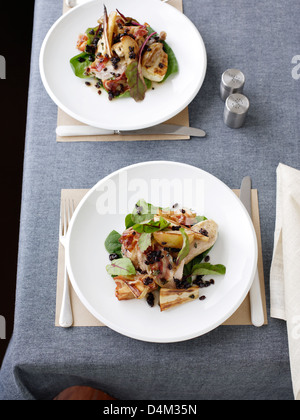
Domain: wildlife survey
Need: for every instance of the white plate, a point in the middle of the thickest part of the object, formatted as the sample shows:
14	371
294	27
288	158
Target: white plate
84	104
161	183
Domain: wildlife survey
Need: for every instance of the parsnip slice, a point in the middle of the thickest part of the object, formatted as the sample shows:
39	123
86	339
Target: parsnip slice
111	27
169	298
135	285
123	292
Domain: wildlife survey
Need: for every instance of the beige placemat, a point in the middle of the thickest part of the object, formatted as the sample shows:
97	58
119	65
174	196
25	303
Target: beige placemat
83	318
180	119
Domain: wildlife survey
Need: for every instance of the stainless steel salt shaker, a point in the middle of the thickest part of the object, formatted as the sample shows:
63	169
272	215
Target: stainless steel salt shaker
236	109
232	81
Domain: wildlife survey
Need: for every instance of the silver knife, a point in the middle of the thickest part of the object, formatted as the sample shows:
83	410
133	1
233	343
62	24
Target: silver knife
257	312
86	130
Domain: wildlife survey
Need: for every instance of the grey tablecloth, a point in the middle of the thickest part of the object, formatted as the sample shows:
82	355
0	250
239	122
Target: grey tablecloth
259	37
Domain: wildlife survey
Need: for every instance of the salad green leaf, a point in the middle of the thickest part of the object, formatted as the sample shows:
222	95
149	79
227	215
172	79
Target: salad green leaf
143	211
121	267
135	77
112	243
91	33
204	269
200	218
128	221
136	82
79	63
185	247
126	94
150	226
173	67
188	268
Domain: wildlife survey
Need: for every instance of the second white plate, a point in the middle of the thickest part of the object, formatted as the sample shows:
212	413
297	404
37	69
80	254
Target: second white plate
82	103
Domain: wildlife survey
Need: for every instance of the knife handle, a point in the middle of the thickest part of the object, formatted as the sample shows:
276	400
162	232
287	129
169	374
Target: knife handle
257	313
81	130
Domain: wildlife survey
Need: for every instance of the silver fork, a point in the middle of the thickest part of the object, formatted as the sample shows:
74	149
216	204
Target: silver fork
73	3
66	315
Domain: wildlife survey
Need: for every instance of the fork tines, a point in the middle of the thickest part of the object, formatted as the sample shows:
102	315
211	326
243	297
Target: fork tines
67	210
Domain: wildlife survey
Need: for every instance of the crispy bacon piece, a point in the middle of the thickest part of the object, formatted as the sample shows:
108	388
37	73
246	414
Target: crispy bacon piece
129	240
116	86
82	42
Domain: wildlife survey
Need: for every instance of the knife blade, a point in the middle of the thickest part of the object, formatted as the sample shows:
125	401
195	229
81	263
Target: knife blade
257	313
86	130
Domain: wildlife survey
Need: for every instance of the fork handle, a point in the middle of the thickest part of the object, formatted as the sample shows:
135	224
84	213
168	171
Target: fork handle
66	316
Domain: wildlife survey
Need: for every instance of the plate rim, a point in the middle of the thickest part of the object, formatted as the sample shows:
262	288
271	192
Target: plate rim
112	127
121	330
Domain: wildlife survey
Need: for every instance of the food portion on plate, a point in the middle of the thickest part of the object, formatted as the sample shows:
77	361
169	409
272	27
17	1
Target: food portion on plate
123	56
164	252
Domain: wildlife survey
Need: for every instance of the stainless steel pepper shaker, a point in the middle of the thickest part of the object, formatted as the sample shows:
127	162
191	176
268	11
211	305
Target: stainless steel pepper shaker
236	109
232	81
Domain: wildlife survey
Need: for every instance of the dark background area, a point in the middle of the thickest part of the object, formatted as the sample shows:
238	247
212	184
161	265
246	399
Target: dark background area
15	46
